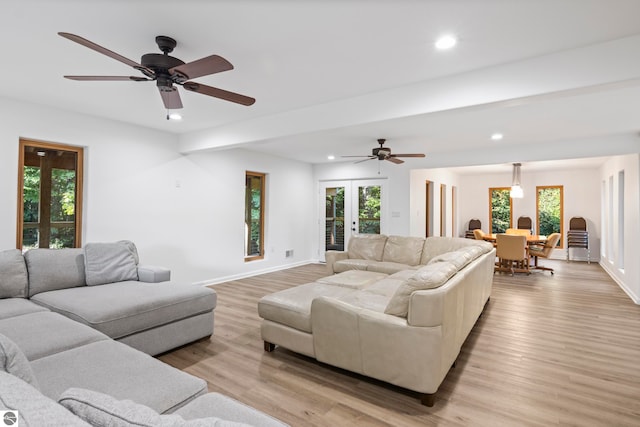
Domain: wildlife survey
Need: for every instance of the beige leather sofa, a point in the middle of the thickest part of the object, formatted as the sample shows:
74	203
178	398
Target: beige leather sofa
405	328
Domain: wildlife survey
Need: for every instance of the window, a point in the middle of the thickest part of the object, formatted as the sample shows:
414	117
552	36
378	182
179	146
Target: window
500	216
49	196
254	216
549	211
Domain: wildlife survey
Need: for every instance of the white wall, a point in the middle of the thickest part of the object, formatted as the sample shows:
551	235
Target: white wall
185	212
418	201
628	277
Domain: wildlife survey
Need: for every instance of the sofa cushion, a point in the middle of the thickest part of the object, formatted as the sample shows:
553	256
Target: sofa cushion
367	300
390	267
44	333
352	264
354	279
34	408
367	246
10	307
14	362
53	269
436	245
386	287
103	410
403	250
228	409
459	257
110	262
123	308
292	307
123	373
428	277
13	274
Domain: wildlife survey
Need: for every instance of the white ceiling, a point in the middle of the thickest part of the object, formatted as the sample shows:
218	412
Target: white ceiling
330	77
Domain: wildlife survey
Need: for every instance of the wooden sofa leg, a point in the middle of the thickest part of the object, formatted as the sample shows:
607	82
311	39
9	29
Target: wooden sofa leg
428	399
269	346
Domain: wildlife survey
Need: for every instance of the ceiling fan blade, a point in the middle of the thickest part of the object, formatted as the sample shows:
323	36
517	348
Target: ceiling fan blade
363	160
105	51
219	93
360	156
108	78
408	155
171	99
394	160
202	67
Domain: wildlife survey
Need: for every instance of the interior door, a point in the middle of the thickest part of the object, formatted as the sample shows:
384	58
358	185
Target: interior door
350	207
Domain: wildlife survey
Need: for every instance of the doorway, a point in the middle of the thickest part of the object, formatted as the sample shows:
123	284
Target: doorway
350	207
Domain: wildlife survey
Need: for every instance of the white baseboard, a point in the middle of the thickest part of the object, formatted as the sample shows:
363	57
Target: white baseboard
218	280
607	267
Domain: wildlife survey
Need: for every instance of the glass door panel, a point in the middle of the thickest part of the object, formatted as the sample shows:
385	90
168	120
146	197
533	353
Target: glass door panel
368	199
334	218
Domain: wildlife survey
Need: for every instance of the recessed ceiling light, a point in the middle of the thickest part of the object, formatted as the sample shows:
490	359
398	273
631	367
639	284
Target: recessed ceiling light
174	116
497	136
446	42
331	157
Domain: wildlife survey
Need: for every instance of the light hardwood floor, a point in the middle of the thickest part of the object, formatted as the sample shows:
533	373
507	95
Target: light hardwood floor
548	350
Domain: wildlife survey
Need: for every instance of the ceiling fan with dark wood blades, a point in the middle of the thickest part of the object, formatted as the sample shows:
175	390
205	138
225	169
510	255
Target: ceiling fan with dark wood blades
384	153
167	71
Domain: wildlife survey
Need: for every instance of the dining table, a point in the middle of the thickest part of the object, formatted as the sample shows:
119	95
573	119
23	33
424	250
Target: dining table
532	239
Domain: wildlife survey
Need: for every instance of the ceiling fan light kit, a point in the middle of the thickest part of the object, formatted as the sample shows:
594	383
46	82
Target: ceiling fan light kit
167	72
516	188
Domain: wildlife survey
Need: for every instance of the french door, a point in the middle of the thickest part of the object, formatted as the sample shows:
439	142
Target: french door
348	208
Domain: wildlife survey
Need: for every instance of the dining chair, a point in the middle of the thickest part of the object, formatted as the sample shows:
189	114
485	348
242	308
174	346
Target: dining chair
525	223
512	253
544	251
518	232
474	224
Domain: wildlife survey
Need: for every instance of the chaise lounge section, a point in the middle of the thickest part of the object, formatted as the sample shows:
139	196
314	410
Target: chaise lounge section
405	328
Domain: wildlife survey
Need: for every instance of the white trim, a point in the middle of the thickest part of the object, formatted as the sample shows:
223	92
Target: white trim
635	298
239	276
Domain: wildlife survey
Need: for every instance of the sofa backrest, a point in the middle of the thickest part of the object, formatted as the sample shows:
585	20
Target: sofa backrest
13	274
53	269
367	246
435	245
403	250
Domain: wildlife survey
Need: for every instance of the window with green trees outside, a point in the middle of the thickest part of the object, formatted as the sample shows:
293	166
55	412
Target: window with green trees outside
549	211
500	216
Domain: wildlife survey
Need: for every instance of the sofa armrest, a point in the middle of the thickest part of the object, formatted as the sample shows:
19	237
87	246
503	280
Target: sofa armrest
153	274
332	257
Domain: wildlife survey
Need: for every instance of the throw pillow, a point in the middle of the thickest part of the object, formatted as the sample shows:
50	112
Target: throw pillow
13	274
100	409
428	277
14	362
110	262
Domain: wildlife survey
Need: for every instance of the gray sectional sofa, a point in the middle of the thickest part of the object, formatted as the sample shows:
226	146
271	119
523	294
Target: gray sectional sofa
77	331
398	309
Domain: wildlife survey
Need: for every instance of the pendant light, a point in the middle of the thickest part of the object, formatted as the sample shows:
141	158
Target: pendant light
516	188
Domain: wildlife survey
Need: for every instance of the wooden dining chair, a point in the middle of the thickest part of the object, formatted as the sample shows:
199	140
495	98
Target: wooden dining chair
512	253
544	251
